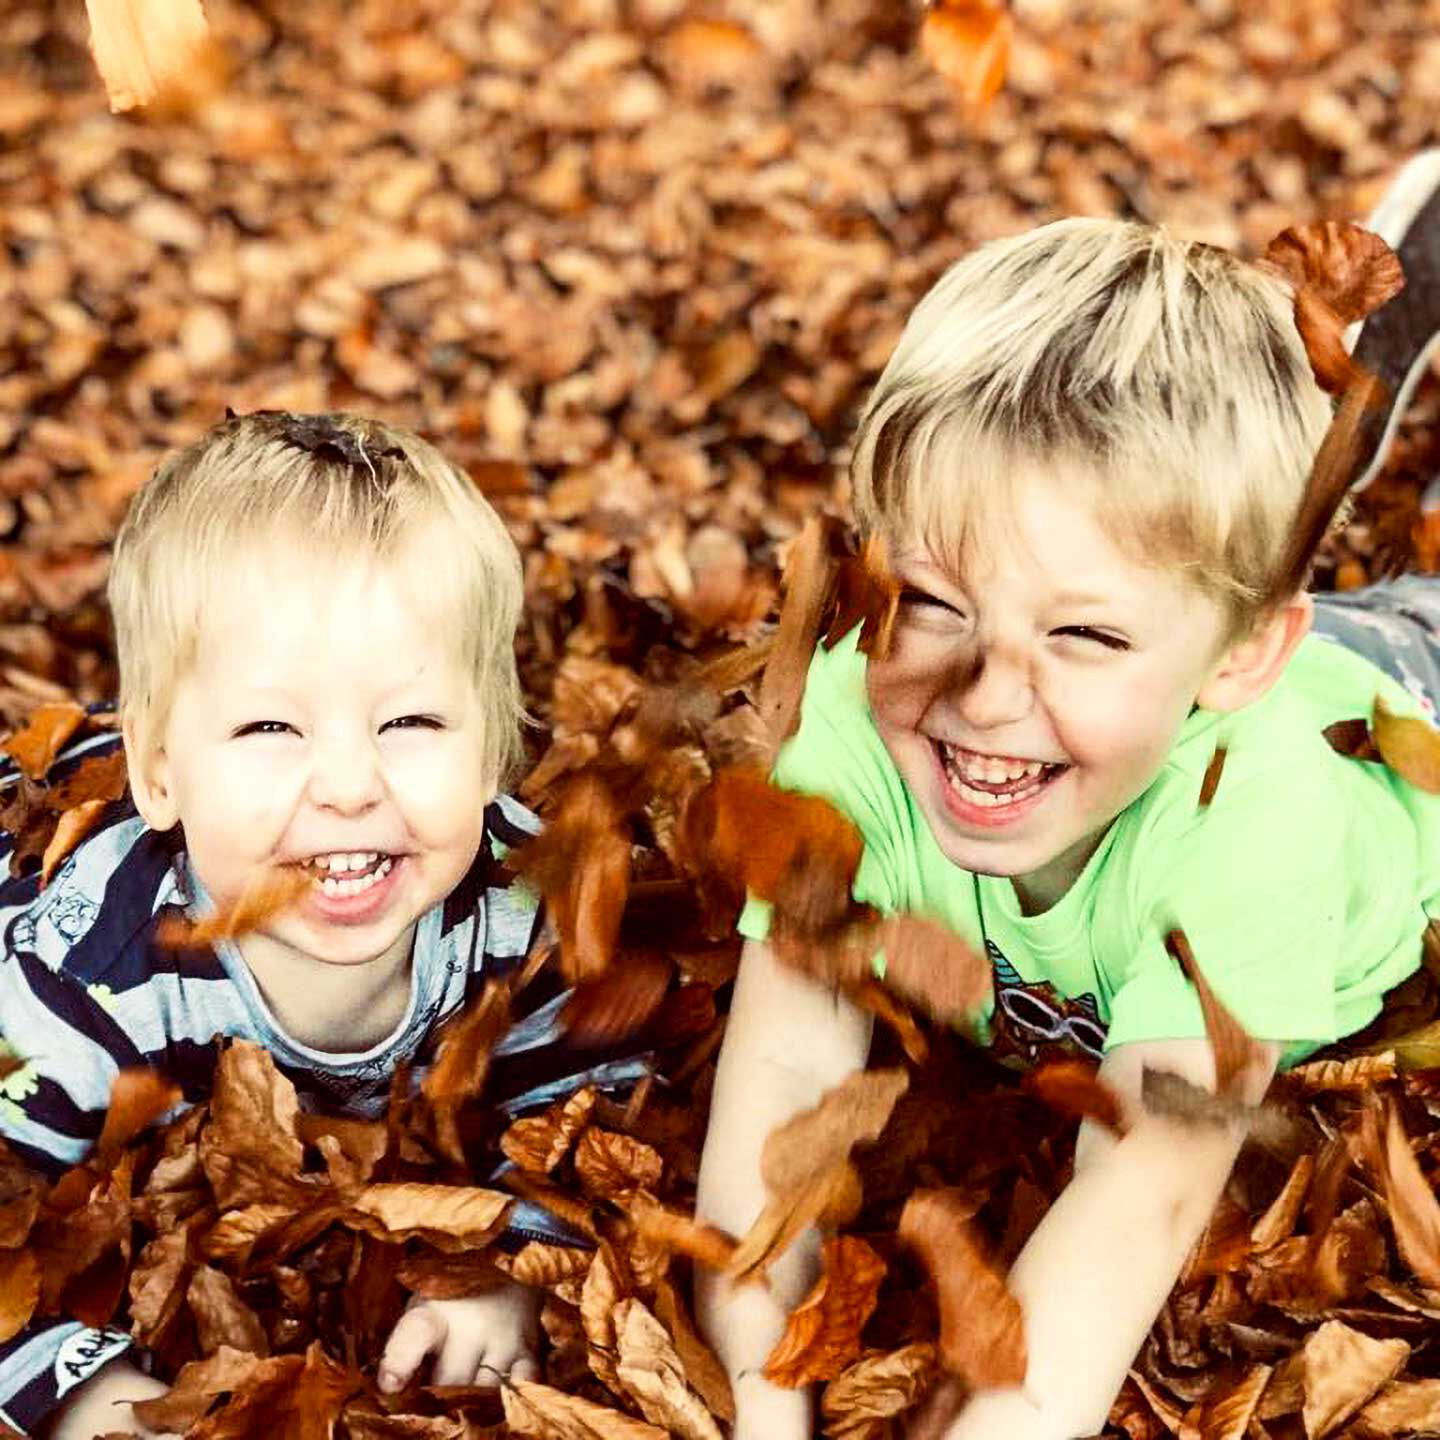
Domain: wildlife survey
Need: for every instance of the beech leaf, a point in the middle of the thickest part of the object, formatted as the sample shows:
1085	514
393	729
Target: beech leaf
822	1334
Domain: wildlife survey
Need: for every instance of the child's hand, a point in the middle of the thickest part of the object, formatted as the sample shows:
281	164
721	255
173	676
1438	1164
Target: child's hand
474	1340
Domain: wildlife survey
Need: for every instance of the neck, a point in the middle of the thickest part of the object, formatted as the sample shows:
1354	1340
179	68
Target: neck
338	1008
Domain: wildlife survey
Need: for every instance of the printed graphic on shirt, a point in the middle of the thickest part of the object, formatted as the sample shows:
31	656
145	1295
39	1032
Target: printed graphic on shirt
83	1353
1033	1023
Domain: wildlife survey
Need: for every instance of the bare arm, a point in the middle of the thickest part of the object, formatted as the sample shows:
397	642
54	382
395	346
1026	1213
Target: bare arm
1099	1266
788	1040
101	1405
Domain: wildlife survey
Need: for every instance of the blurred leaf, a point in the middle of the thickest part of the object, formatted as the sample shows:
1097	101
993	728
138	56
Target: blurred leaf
822	1334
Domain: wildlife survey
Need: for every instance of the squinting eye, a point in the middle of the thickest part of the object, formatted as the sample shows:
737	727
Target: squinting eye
1112	642
426	722
263	727
912	599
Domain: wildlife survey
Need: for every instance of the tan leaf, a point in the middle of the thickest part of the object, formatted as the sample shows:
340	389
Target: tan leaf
1278	1221
982	1327
650	1370
266	895
822	1334
538	1143
1414	1210
1418	1049
877	1387
234	1234
144	47
447	1216
195	1387
1342	1370
602	1291
611	1165
74	825
221	1316
19	1291
544	1266
547	1414
1226	1411
1409	746
1360	1072
35	745
703	1369
1403	1407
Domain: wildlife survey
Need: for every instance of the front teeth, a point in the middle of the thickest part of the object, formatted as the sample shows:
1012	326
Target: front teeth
960	767
339	888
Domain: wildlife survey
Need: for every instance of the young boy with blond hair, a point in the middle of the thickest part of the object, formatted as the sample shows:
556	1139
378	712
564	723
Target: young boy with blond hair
1086	456
315	618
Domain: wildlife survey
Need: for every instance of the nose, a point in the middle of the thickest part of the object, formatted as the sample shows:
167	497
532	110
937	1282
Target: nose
345	775
994	689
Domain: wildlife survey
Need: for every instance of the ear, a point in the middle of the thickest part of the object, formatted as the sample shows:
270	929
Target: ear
1249	667
148	769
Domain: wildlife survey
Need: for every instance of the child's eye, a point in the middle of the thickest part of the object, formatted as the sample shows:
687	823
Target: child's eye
263	727
410	722
1085	632
912	599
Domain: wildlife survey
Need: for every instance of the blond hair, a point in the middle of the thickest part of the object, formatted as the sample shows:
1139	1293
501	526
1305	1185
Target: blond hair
1166	377
247	485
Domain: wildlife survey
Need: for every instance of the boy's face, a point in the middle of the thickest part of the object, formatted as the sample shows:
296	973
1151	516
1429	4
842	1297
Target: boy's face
1030	704
327	715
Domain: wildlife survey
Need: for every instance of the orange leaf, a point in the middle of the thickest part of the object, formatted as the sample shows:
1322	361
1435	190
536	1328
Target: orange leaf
968	42
75	824
269	892
612	1006
866	594
137	1099
35	745
982	1327
463	1062
19	1291
610	1165
143	48
539	1143
1236	1054
822	1335
683	1234
1073	1088
1409	746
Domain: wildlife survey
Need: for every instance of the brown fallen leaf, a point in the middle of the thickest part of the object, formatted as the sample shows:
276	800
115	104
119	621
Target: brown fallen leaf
137	1099
1409	746
1211	783
196	1388
877	1388
1352	738
1411	1202
270	892
221	1316
1237	1056
538	1143
1361	1073
822	1334
982	1327
545	1413
35	745
610	1165
1227	1409
1074	1088
1342	1369
1404	1407
650	1371
1278	1221
449	1217
73	826
866	593
703	1369
19	1291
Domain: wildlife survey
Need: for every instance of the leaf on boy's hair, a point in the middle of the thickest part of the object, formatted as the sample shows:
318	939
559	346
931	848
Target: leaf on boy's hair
866	593
144	48
1236	1054
1352	739
968	42
982	1327
269	892
822	1334
1409	746
809	572
73	826
580	863
1075	1089
34	746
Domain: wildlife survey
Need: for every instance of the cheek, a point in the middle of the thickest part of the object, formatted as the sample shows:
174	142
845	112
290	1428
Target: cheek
1123	723
904	685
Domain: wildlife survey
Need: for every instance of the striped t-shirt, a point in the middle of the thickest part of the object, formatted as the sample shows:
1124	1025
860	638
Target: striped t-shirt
85	992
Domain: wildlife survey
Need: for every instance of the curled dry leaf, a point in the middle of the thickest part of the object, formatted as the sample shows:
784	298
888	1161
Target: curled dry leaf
450	1217
1409	746
1278	1221
968	42
538	1143
544	1266
610	1165
982	1327
877	1388
1074	1088
1226	1411
269	892
221	1316
703	1369
822	1334
36	744
1361	1073
603	1289
196	1388
544	1413
651	1372
249	1149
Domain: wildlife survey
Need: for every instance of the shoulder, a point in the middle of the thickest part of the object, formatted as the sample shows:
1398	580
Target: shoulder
506	909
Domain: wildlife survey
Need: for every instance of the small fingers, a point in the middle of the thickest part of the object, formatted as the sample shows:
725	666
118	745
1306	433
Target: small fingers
420	1331
460	1362
526	1367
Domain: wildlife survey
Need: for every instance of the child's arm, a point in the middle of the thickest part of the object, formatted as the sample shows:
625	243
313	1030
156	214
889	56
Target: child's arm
788	1040
101	1406
1099	1266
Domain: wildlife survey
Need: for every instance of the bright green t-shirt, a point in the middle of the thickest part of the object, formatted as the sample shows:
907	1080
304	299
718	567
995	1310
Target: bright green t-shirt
1303	888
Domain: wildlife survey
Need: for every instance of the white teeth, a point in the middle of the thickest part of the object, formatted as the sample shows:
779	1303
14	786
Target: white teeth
989	768
342	861
341	888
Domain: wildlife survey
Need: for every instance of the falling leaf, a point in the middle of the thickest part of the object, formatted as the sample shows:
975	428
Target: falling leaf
610	1007
249	1148
1352	739
822	1334
143	47
1409	746
968	42
1211	783
271	892
35	745
1342	1370
650	1370
1414	1209
866	593
137	1099
1237	1056
1074	1088
982	1327
580	863
548	1414
683	1234
74	825
463	1062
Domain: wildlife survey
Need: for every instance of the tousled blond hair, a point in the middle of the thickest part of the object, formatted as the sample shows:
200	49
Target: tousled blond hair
245	488
1166	377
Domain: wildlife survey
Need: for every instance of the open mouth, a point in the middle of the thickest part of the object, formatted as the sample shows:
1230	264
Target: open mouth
349	873
990	783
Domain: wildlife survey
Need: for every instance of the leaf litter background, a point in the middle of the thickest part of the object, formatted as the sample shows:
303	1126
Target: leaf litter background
634	265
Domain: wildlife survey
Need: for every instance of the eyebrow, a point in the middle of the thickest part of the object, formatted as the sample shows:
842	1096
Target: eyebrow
1083	597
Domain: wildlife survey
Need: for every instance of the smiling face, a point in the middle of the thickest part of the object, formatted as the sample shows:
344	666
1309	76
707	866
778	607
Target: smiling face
1026	707
328	714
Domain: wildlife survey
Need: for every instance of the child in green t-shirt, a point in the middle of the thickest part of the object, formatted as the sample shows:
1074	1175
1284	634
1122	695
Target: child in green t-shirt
1086	456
